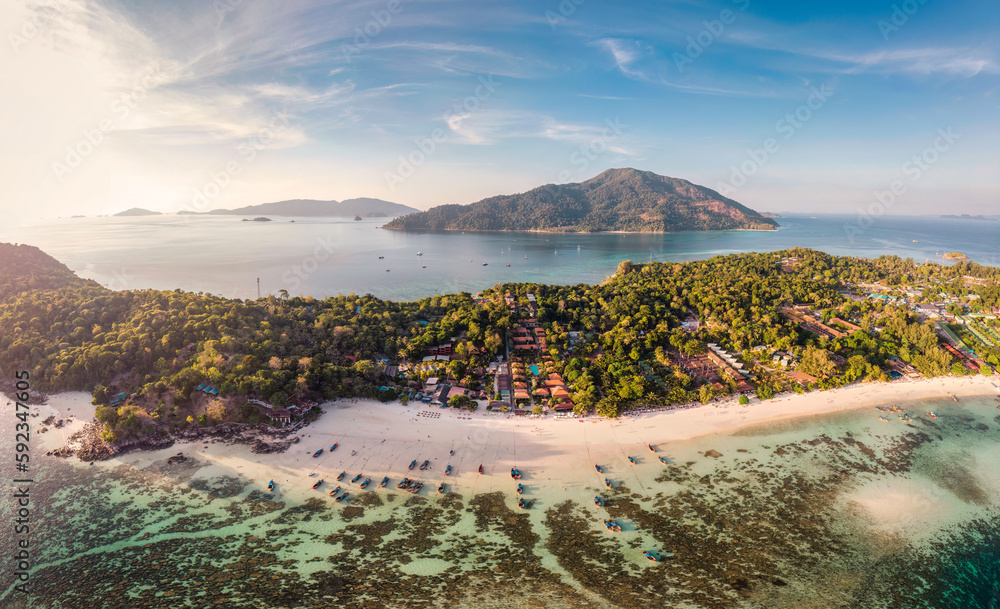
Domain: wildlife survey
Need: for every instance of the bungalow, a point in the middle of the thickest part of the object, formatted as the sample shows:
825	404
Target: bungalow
281	416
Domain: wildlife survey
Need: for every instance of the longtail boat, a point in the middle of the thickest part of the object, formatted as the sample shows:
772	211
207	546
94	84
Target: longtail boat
441	488
342	497
334	447
341	476
366	483
597	501
334	492
356	478
599	470
631	460
649	555
318	453
663	461
425	464
383	482
520	488
413	464
403	483
651	449
270	486
520	503
607	483
318	482
447	471
480	469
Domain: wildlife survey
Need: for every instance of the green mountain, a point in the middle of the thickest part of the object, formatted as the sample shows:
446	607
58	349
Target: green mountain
364	207
616	200
25	268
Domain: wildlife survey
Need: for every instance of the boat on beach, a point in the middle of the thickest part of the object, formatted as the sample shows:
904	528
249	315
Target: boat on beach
663	460
334	447
881	418
441	488
403	483
599	470
340	476
613	526
366	483
520	488
649	555
342	497
383	482
318	482
447	471
597	501
318	453
520	503
425	464
415	488
631	460
356	478
480	469
515	473
932	415
413	464
607	483
334	492
270	486
651	448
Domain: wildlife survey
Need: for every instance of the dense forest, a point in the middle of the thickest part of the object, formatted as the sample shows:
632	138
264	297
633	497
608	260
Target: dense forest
158	347
616	200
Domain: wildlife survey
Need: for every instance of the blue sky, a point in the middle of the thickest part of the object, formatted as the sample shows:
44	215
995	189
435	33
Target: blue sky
783	106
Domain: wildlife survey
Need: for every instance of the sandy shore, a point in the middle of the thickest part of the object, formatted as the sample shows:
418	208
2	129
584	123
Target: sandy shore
379	440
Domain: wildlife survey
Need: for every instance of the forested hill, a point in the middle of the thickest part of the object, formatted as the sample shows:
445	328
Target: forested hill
25	268
616	200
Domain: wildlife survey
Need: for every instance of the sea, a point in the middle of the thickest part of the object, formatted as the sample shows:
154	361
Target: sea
836	510
226	256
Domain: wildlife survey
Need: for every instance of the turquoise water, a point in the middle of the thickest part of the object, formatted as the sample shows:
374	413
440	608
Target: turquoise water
771	516
222	255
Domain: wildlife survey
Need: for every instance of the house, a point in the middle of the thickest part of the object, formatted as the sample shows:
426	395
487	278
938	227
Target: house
281	416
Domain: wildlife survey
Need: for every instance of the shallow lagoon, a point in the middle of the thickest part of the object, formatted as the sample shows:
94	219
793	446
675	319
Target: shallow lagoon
838	510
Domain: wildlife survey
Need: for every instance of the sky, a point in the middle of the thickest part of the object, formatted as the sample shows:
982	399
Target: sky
835	107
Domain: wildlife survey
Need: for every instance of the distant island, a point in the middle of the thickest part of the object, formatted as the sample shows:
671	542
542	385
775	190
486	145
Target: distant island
625	200
138	211
955	256
770	214
258	219
363	207
968	217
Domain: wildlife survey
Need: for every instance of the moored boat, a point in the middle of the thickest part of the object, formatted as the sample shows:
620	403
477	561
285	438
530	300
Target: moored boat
318	482
356	478
334	492
441	488
342	497
932	415
599	470
447	471
649	555
520	488
883	419
663	460
607	483
318	453
631	460
520	503
403	483
384	482
651	449
425	464
597	501
413	464
270	486
334	447
340	476
366	483
480	469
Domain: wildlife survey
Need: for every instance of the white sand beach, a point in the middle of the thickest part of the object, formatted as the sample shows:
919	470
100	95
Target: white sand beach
379	440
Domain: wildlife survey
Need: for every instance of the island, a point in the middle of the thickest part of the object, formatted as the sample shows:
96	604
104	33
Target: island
257	219
138	211
954	256
622	200
364	207
159	363
357	218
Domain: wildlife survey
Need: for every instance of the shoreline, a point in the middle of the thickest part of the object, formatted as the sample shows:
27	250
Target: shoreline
379	439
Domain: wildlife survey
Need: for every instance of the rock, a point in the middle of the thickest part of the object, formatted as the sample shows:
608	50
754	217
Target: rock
713	453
